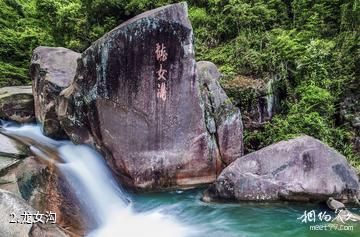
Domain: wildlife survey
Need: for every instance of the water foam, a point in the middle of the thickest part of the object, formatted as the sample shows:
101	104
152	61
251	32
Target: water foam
100	193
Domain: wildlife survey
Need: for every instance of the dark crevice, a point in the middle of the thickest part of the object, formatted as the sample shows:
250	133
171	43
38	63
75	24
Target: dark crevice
211	113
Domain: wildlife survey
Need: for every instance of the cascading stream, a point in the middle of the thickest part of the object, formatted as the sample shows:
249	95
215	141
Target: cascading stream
110	205
117	214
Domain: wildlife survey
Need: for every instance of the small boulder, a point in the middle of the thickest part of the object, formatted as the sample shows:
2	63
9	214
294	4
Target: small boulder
334	204
17	104
52	70
343	215
301	169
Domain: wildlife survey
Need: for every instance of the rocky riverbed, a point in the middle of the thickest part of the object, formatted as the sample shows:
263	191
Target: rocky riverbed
162	122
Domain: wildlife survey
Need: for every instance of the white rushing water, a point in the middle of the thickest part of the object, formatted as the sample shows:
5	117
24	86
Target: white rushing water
100	193
270	98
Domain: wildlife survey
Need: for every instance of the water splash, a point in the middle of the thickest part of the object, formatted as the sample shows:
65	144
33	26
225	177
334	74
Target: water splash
113	212
118	214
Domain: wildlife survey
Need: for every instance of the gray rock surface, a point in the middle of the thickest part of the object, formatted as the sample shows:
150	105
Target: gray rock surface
11	148
301	169
11	154
223	119
17	104
334	204
11	210
11	204
52	70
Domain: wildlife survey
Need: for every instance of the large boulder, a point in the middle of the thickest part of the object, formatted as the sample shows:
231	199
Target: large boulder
17	104
51	70
136	97
301	169
17	219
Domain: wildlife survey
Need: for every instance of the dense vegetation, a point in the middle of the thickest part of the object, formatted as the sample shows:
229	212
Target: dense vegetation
311	48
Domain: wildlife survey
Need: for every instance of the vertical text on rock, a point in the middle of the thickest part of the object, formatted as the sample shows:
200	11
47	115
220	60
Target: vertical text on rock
161	57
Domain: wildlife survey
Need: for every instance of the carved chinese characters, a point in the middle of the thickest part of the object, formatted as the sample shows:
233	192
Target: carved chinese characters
161	57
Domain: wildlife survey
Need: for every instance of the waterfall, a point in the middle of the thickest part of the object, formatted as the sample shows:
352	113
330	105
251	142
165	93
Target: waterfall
100	193
270	98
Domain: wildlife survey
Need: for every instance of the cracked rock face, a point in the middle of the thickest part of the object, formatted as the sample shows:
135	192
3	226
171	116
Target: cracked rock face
136	96
223	119
11	209
301	169
51	70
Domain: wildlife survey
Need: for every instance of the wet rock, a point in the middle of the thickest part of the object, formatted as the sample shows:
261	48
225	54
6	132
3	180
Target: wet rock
11	154
45	189
17	104
136	97
49	230
301	169
12	209
334	204
12	149
52	70
6	163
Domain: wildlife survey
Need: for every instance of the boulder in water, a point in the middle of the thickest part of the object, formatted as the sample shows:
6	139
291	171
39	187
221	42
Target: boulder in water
334	204
52	70
17	104
137	97
301	169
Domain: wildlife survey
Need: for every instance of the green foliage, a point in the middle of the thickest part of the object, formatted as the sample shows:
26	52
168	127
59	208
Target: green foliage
20	33
11	75
312	48
311	114
314	99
